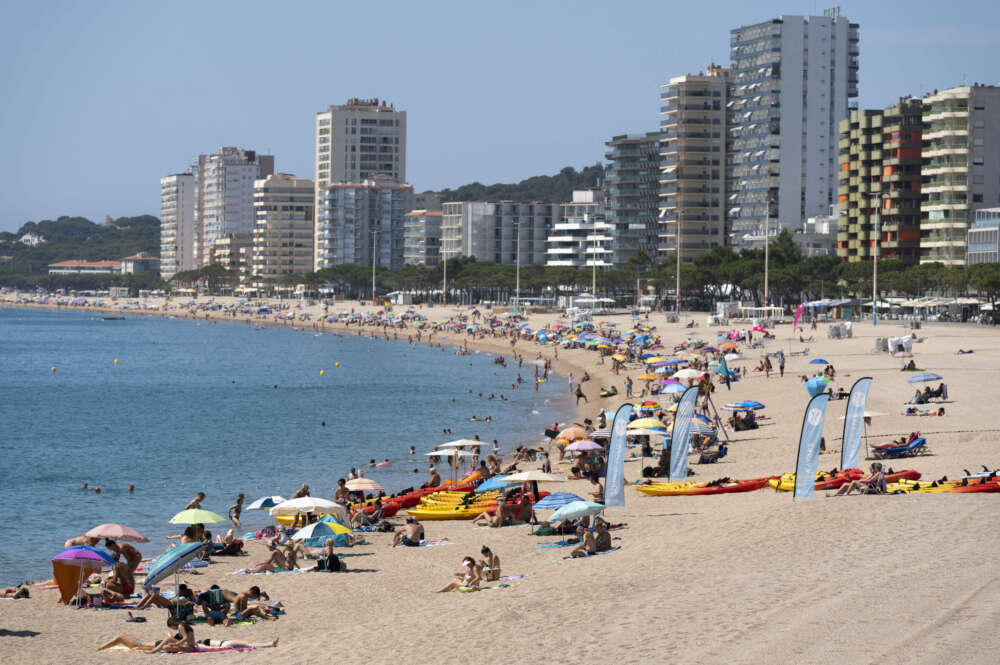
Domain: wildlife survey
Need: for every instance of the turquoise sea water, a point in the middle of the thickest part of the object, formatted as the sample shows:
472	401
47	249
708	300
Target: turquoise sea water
191	406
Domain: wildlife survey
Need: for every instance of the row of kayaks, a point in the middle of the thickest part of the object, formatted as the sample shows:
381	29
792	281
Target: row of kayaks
456	505
897	482
825	480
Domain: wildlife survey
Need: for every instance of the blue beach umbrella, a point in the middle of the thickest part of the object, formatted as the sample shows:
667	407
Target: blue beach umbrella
673	388
574	510
557	500
815	386
818	361
170	562
495	483
924	377
265	502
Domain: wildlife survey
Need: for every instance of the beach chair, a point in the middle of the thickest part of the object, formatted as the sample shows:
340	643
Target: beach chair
916	447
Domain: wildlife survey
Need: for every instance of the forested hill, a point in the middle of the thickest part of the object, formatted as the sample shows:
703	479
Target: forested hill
544	188
69	238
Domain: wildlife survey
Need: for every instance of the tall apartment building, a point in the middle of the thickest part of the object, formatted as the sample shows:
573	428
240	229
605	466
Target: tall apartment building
359	222
632	183
692	211
422	237
285	227
225	183
505	232
358	141
234	253
961	167
879	183
177	224
984	237
582	237
792	78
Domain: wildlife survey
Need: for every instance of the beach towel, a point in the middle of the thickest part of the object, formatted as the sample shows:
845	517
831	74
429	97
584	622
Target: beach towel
121	648
244	571
558	543
435	542
235	622
566	558
510	578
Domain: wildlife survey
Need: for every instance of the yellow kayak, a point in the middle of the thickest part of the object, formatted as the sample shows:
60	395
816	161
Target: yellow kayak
423	513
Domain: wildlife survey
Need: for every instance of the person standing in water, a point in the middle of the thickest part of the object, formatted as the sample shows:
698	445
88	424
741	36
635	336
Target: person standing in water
236	509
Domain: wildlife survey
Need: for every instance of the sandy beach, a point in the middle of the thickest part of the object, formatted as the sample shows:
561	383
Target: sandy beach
740	578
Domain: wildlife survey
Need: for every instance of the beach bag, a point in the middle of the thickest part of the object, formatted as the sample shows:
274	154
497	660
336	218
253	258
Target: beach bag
331	564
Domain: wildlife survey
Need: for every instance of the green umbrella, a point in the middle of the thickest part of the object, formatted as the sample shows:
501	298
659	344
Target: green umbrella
196	516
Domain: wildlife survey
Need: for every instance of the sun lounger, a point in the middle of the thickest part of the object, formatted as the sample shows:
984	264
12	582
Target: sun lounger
916	447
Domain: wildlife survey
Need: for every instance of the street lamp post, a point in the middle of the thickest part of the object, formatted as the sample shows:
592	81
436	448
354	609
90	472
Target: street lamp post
677	286
517	269
444	287
767	256
374	253
878	232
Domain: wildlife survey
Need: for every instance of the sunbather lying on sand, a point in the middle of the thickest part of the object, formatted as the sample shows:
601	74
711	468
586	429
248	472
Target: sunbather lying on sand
180	639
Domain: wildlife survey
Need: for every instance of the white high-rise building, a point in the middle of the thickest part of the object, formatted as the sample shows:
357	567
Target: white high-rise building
504	232
791	81
177	224
225	194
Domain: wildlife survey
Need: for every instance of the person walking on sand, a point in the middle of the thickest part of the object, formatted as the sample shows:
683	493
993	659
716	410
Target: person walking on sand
579	395
195	503
781	363
236	509
628	387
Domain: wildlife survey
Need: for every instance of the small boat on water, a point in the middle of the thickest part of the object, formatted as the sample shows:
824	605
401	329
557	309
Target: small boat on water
113	318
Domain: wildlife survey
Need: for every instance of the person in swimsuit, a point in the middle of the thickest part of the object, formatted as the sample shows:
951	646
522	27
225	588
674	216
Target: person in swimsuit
132	556
234	644
195	503
490	565
180	640
82	540
467	579
276	563
410	535
185	597
121	584
236	509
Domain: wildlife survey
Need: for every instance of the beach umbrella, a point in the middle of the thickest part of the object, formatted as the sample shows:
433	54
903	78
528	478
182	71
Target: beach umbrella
574	510
557	500
321	530
117	532
818	361
601	434
572	434
363	485
815	385
170	563
646	423
647	377
534	477
647	432
461	443
924	377
196	516
730	357
72	565
584	445
673	389
265	502
308	504
450	452
495	483
688	374
649	404
675	361
728	345
710	349
745	405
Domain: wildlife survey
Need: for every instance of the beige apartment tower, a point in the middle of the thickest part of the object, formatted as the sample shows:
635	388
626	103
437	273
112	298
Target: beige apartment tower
693	166
284	228
961	168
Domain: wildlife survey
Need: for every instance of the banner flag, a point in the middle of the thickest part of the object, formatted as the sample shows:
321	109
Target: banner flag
681	433
808	460
854	423
614	483
798	315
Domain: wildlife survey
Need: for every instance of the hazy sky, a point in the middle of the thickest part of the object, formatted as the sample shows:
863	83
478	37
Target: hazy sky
101	99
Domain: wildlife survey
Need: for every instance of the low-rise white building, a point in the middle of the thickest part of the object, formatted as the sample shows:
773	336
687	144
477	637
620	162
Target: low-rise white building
581	238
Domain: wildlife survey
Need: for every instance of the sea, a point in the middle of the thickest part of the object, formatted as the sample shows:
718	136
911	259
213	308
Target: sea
177	406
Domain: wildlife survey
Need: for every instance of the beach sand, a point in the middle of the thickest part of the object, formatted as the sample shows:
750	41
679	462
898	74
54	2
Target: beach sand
740	578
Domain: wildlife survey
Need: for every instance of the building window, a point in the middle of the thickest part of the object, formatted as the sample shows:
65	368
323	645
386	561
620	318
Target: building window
323	122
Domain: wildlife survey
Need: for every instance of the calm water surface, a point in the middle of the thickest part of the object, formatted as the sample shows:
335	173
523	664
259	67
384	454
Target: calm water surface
192	407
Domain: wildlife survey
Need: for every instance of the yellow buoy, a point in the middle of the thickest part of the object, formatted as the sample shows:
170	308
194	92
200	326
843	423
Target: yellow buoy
53	370
116	361
322	372
336	364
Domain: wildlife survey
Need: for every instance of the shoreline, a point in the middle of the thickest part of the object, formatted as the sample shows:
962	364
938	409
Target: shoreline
770	570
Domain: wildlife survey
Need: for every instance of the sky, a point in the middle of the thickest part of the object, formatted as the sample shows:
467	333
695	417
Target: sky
98	100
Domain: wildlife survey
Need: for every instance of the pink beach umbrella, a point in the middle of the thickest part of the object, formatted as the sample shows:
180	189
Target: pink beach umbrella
117	532
584	445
